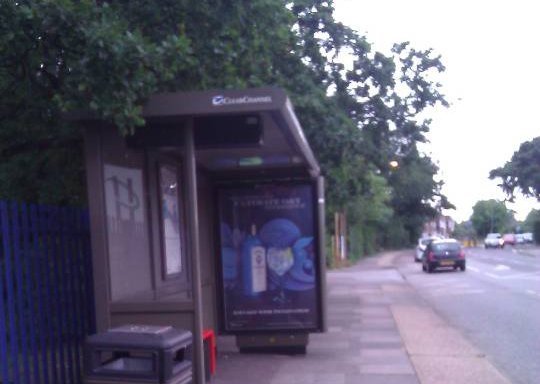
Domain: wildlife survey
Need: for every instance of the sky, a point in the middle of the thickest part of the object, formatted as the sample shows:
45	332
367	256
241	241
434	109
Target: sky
492	80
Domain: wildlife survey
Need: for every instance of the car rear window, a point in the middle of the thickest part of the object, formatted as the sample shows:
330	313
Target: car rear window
446	247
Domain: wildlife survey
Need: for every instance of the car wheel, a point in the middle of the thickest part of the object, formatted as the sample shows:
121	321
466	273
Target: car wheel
423	267
429	268
462	268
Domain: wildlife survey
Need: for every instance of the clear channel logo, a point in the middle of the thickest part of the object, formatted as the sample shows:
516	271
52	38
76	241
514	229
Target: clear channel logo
220	100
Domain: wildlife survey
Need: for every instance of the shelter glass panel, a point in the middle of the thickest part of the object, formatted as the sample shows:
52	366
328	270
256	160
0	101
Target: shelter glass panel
127	230
171	219
126	195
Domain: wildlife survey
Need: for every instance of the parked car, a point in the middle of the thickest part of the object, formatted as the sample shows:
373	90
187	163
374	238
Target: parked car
519	238
443	253
509	239
421	247
493	240
528	237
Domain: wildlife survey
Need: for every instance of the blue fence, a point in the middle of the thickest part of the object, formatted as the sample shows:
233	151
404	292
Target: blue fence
46	302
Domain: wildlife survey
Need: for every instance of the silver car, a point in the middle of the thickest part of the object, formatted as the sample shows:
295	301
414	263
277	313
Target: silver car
493	240
422	244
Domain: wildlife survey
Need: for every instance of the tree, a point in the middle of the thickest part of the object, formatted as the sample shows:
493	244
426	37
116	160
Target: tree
365	121
464	231
416	195
532	224
369	214
63	55
386	105
491	216
110	56
532	217
522	171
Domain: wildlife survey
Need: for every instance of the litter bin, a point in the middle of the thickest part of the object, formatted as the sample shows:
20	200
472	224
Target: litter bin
139	354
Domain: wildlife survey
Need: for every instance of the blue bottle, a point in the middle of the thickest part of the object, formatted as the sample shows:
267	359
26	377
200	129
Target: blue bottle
253	265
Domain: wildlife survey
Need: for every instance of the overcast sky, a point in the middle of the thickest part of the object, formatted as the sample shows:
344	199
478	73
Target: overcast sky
491	53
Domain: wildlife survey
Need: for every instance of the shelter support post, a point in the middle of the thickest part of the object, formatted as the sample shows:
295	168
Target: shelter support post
190	169
322	250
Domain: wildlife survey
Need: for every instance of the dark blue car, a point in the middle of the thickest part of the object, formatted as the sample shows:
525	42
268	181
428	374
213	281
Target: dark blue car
446	253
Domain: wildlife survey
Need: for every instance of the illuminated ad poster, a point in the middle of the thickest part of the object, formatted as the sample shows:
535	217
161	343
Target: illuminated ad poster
269	258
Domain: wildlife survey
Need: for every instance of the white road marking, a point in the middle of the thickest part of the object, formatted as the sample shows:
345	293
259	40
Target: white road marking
474	269
501	267
454	292
442	283
492	275
518	262
533	293
522	276
530	277
504	261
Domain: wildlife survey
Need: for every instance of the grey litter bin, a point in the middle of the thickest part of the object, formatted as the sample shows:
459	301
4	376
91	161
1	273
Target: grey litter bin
139	354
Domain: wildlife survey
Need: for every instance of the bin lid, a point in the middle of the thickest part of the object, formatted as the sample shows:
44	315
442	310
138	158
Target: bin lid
142	336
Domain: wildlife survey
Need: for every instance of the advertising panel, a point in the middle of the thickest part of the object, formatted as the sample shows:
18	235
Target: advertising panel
269	257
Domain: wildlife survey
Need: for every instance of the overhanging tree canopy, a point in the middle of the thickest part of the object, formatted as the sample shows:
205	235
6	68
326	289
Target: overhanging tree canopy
522	172
110	56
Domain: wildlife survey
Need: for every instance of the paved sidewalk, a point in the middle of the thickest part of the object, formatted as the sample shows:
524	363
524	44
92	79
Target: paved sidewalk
380	332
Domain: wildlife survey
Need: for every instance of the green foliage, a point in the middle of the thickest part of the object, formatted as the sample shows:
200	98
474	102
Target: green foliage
233	44
532	217
491	216
464	231
58	56
368	214
532	224
110	56
395	235
522	171
413	188
77	55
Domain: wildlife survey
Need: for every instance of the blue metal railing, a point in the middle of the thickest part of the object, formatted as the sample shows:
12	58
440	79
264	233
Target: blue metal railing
46	293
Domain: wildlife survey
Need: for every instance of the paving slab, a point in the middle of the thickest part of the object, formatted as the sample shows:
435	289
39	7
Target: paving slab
380	331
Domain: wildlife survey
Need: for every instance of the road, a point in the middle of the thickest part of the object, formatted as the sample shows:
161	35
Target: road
495	304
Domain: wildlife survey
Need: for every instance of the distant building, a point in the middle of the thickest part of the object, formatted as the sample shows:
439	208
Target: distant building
442	225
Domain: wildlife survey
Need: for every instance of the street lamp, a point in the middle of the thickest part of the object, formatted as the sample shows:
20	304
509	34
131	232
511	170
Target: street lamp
393	164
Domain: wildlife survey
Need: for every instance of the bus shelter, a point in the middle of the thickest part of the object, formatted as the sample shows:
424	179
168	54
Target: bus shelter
211	216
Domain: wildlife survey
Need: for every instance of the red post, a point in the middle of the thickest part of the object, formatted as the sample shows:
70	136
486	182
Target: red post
209	334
